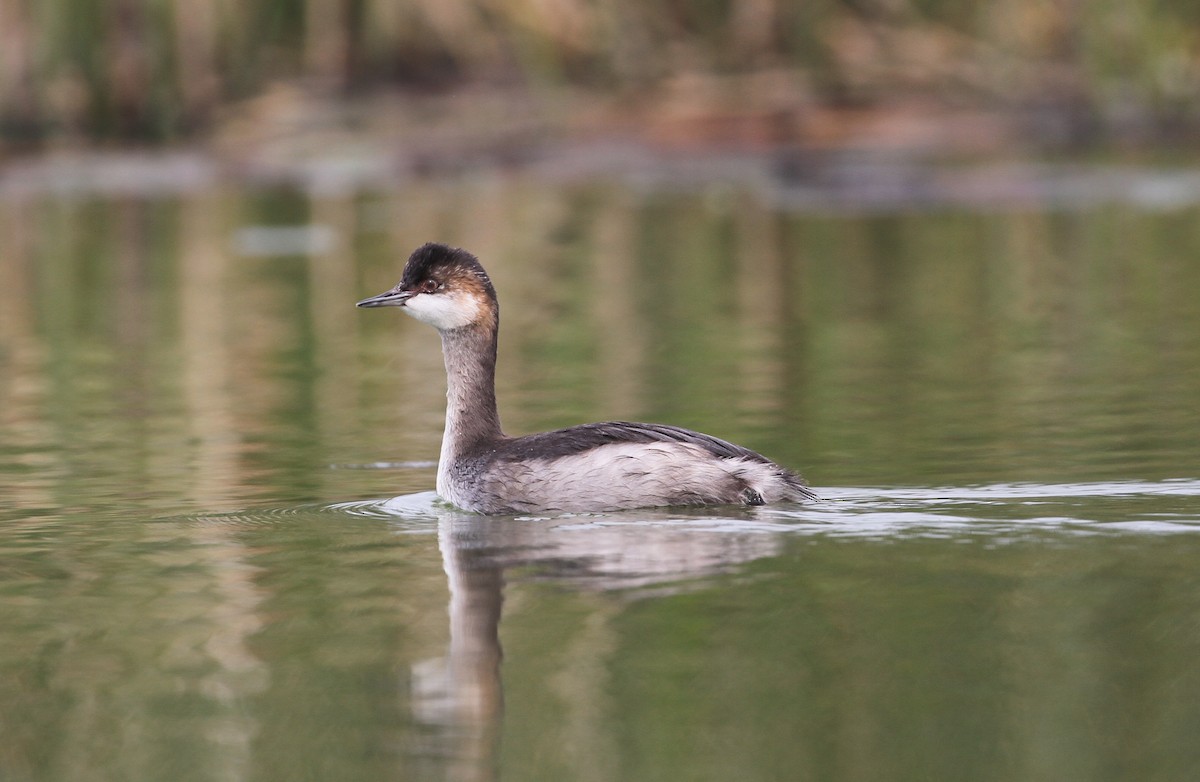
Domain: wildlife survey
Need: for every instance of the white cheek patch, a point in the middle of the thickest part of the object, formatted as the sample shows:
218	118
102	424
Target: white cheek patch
443	311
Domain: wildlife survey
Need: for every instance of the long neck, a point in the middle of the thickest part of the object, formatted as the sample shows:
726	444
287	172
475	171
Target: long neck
471	416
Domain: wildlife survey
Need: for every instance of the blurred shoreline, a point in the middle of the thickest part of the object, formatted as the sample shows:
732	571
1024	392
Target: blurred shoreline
911	155
463	78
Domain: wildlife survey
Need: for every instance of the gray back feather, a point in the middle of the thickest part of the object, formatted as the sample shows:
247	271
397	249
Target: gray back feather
577	439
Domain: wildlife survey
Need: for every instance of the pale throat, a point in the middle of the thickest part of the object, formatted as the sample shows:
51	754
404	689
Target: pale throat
468	331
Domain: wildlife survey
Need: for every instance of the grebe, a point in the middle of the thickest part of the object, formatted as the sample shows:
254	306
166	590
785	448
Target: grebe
593	467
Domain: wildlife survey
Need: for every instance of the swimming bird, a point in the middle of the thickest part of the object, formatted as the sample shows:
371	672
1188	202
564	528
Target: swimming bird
593	467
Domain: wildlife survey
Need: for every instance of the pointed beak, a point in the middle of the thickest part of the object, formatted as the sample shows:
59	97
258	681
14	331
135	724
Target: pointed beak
396	297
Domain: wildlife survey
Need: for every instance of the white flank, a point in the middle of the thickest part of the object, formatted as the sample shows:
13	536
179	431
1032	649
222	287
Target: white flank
611	477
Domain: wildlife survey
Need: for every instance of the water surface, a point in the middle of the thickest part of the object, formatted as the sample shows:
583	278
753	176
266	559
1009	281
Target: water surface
220	557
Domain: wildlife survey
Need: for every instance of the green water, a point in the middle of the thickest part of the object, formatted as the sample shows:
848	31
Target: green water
203	576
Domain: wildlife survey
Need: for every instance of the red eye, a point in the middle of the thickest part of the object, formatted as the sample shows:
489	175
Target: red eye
429	286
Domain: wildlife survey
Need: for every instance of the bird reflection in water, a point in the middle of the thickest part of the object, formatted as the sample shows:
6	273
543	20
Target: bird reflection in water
460	696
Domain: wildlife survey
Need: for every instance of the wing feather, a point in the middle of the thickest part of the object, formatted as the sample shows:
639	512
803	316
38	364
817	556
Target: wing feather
577	439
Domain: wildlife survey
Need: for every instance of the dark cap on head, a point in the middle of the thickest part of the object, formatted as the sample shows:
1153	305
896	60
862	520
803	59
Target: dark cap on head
437	270
443	263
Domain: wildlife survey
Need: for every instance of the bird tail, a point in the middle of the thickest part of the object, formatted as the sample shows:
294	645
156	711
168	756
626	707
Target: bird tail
795	489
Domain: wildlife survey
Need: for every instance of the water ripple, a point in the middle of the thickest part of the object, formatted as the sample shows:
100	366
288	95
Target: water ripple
251	517
1146	507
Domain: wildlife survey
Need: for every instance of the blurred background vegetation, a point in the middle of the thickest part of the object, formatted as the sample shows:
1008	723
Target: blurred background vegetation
1068	71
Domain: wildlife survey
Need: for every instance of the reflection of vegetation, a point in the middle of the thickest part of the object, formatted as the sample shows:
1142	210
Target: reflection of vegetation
906	659
925	348
149	378
138	68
